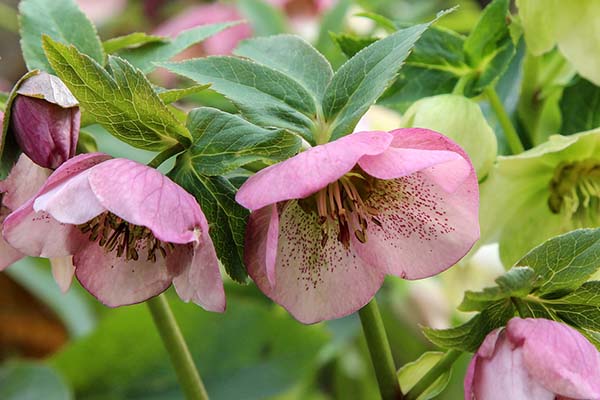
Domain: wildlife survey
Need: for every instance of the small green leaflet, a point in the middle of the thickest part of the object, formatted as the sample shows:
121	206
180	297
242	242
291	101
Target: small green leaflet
266	97
351	44
132	40
411	373
147	56
226	218
580	107
169	96
64	22
223	142
124	101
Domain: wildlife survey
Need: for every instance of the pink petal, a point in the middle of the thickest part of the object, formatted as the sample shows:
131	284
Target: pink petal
311	170
313	282
23	182
558	357
485	351
200	281
8	254
143	196
117	282
262	236
504	376
63	271
424	229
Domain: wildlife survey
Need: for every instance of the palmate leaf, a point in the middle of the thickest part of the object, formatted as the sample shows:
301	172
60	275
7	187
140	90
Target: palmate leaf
123	101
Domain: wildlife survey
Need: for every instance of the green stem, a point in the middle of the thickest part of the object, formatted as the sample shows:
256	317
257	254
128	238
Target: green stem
381	355
433	374
186	371
165	155
509	130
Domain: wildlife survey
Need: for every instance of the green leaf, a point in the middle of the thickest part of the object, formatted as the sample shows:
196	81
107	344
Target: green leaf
223	142
132	40
28	381
147	56
252	352
565	262
266	97
586	294
362	79
9	149
124	101
173	95
293	56
580	315
412	372
86	143
64	22
264	18
351	44
226	218
580	107
469	336
517	282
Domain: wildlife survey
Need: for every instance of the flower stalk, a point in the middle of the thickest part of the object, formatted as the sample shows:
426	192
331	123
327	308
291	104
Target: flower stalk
443	365
510	133
381	354
169	331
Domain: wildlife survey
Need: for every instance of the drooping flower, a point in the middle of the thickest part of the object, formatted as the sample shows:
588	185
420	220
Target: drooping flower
23	182
45	120
328	224
534	359
546	191
131	231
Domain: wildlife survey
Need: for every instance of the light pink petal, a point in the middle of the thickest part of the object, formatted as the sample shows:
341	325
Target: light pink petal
23	182
485	351
143	196
424	229
63	271
311	170
8	254
558	357
117	282
70	202
314	280
200	280
504	376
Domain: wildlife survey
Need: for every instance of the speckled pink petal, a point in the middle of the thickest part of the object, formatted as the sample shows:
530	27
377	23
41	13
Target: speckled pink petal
200	279
23	182
63	271
143	196
117	282
504	376
311	170
314	282
424	229
558	357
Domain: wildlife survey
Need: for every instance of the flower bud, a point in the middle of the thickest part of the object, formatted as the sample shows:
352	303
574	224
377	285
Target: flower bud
45	120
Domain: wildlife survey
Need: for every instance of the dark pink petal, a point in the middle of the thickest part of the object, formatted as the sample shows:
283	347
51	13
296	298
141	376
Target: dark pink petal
262	237
117	282
314	280
558	357
143	196
311	170
200	280
424	229
23	182
504	376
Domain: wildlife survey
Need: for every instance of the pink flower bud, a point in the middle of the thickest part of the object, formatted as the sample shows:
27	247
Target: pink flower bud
45	120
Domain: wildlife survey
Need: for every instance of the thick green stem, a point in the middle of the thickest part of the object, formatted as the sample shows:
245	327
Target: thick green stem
381	355
433	374
165	155
512	137
186	371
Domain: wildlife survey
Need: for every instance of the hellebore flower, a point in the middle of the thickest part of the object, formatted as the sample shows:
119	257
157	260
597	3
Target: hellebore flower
546	191
45	120
23	182
534	359
328	224
131	232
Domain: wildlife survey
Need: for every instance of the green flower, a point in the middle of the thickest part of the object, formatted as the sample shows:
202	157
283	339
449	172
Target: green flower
548	190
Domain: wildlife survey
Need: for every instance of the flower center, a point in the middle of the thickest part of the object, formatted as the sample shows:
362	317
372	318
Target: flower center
343	203
575	191
114	233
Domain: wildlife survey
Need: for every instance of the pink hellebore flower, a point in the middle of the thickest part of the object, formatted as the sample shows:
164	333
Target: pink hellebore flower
131	231
24	180
328	224
534	359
